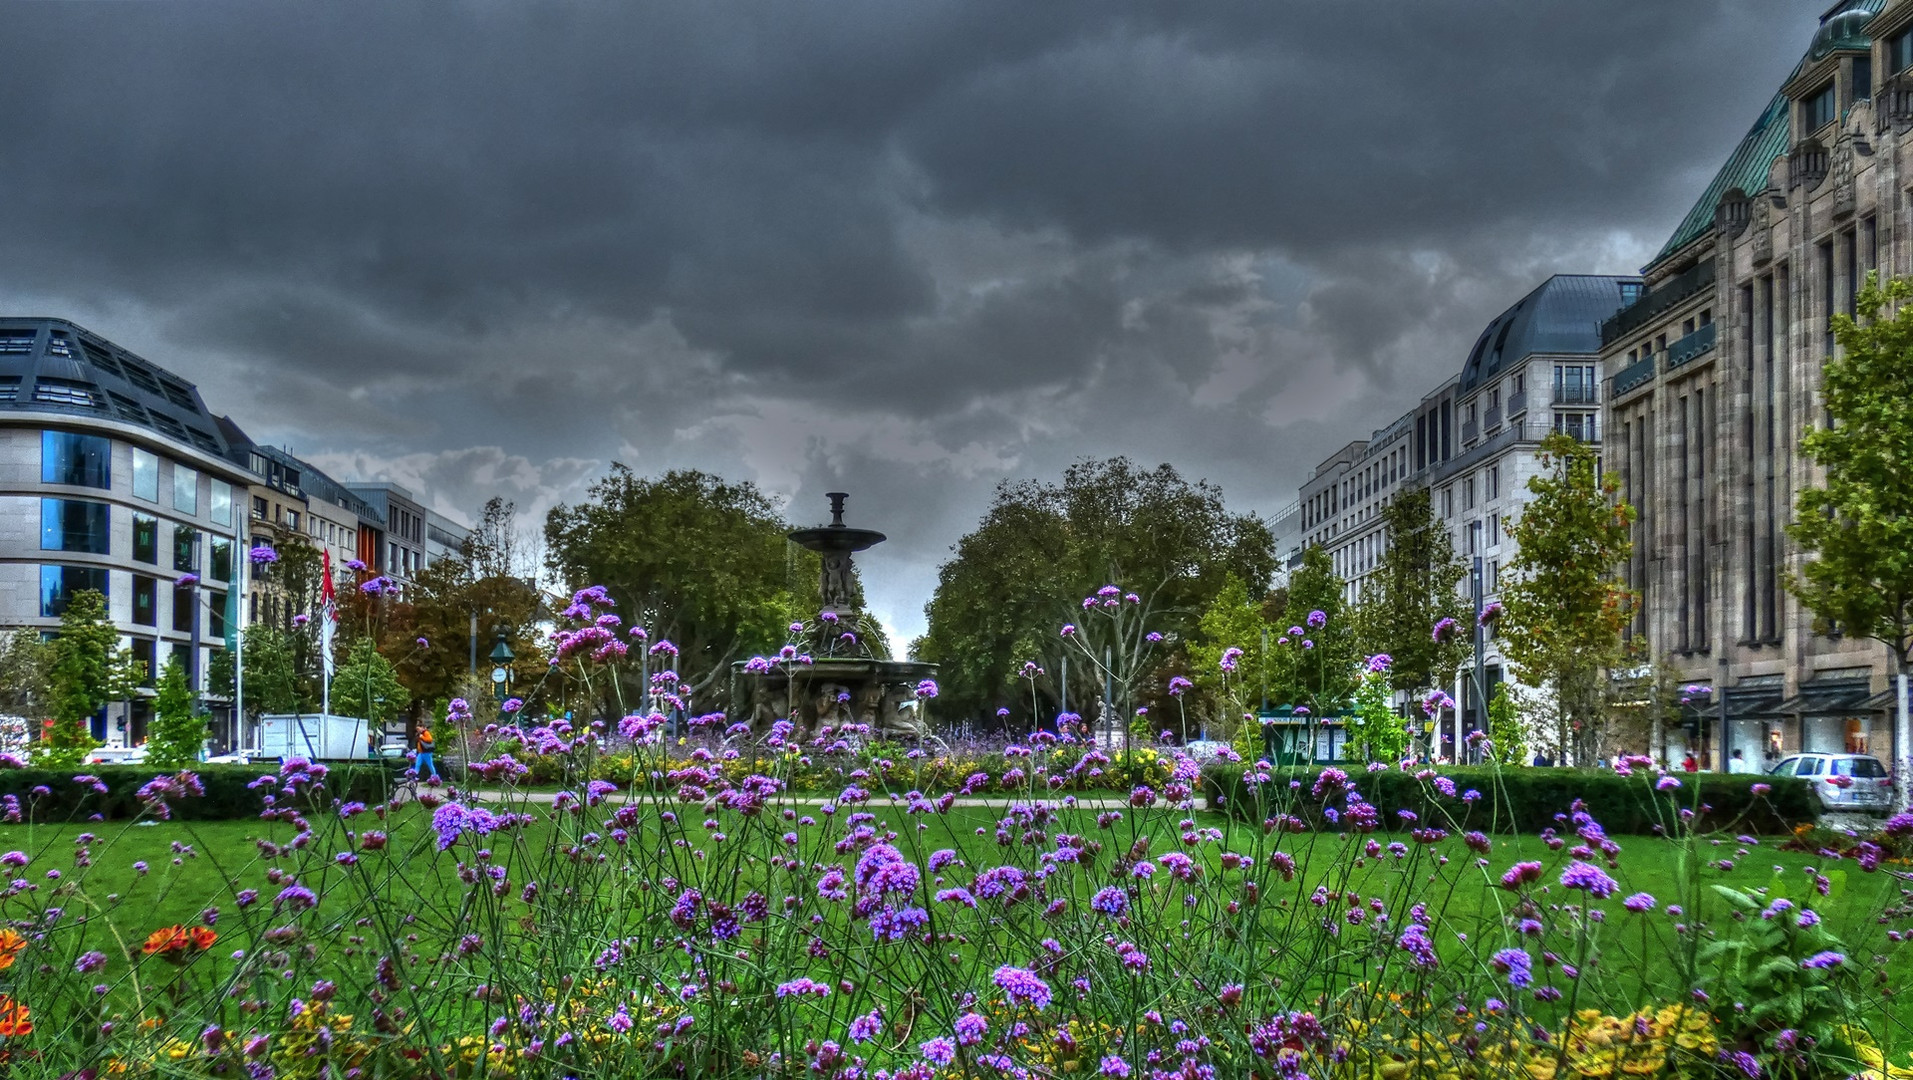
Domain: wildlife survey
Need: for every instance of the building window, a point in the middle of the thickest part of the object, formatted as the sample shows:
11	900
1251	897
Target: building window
58	584
185	489
1817	109
145	653
216	615
78	460
1579	426
184	597
1863	78
1494	481
219	560
221	505
292	520
183	548
1494	529
1448	501
74	525
145	474
258	508
1493	584
1899	52
1574	384
146	539
145	600
1468	494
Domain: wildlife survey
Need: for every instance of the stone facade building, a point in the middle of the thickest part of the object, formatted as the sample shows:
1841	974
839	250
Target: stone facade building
1715	373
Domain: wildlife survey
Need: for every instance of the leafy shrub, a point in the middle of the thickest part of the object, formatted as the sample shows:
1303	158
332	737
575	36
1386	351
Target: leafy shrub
1528	800
228	797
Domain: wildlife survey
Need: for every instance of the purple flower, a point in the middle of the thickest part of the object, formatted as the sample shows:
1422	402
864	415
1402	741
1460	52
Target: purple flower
1517	965
1022	986
1110	900
1446	630
1591	878
926	689
1230	656
1489	614
1380	662
939	1051
1823	960
1639	902
301	619
1667	783
186	579
1178	685
262	555
866	1027
1318	619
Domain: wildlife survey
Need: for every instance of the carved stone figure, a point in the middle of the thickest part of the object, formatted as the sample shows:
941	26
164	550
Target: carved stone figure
1762	225
1842	174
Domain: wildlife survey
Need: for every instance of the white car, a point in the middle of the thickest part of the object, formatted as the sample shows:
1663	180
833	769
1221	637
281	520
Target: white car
116	755
1842	781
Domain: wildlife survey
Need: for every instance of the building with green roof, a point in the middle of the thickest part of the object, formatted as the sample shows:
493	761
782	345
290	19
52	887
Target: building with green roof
1712	373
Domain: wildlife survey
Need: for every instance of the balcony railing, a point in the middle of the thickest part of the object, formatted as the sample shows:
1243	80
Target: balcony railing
1517	403
1469	429
1671	292
1633	377
1691	346
1577	395
1493	417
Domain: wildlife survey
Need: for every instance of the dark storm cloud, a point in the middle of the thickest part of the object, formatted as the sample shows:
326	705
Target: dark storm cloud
906	248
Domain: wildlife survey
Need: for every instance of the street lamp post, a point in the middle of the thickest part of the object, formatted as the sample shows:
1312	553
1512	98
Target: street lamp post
501	658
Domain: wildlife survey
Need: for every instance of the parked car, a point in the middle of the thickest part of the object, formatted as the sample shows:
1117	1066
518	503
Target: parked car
116	755
1842	781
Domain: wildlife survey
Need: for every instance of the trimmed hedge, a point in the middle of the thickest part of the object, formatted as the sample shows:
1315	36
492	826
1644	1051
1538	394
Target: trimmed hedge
227	795
1524	799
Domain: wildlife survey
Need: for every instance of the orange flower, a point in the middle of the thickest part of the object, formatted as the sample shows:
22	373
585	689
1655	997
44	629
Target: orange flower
171	939
13	1017
10	945
176	943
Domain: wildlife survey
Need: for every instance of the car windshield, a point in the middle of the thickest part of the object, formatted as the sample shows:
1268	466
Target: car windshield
1864	767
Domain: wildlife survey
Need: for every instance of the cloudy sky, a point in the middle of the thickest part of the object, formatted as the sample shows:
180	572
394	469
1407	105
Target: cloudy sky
907	249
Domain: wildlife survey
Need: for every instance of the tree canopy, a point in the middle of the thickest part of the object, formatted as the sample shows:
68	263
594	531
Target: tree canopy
1016	579
82	679
695	559
1857	524
1563	608
1414	588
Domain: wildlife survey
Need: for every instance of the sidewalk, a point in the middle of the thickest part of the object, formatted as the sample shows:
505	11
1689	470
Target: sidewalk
1099	801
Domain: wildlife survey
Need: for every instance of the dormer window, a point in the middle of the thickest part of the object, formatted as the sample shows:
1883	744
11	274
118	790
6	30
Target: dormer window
1817	109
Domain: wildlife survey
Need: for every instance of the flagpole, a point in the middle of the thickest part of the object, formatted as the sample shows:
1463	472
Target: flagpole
243	552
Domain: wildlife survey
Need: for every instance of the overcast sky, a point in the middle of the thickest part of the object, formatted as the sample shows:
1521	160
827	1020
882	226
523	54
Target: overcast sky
907	249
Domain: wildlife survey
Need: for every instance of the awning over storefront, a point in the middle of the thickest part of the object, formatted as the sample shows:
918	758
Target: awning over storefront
1759	703
1830	697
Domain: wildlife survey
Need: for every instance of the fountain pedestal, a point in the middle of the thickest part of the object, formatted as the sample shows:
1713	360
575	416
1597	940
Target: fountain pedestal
848	681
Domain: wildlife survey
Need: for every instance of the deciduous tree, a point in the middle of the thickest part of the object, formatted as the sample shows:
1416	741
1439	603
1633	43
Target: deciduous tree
366	686
1856	523
1023	572
1413	589
695	559
1563	608
82	679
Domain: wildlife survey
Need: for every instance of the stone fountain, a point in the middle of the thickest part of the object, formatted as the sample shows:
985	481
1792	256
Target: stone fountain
851	677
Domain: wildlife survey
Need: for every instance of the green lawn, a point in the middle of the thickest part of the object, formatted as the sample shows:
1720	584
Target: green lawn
191	867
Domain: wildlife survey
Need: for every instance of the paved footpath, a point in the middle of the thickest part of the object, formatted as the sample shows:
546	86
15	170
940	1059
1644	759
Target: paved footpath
877	800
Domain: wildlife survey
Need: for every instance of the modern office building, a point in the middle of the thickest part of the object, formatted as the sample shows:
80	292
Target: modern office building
1716	371
115	477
